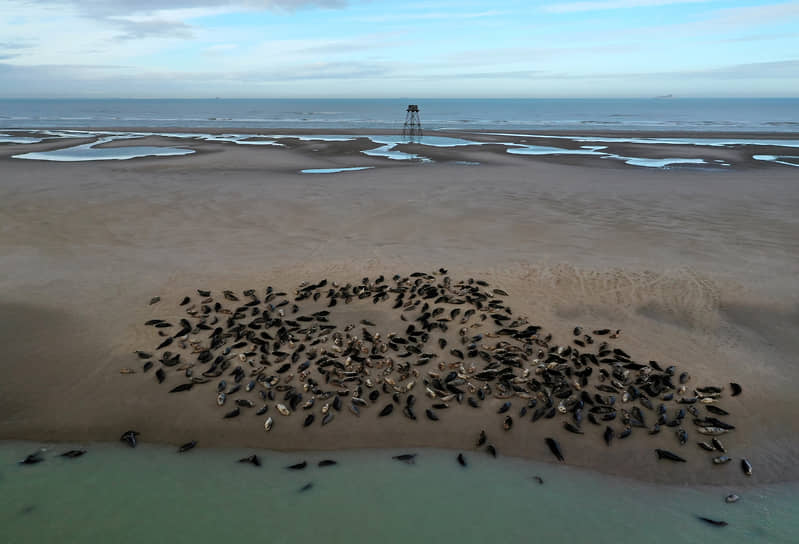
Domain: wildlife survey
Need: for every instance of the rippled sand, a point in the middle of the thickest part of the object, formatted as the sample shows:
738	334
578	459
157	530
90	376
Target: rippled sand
696	267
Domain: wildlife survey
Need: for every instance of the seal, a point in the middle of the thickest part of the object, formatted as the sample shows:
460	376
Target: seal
182	387
187	446
554	447
327	463
268	424
129	437
492	451
298	466
252	459
308	420
32	459
731	498
714	522
481	439
609	434
508	423
306	487
409	458
667	455
461	460
72	454
736	389
386	410
746	467
431	415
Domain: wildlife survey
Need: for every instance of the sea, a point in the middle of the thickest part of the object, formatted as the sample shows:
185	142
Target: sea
656	114
151	493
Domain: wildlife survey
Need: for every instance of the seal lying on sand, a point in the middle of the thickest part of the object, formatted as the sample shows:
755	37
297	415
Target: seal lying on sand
129	437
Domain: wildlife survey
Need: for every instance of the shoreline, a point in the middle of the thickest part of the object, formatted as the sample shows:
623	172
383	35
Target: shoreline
313	455
666	133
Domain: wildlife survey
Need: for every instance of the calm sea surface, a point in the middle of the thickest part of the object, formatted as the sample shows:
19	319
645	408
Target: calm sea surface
771	115
153	494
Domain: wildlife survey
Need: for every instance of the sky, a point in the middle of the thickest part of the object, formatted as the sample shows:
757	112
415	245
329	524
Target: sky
387	49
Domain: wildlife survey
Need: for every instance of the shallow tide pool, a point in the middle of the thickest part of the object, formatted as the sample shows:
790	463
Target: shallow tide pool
151	493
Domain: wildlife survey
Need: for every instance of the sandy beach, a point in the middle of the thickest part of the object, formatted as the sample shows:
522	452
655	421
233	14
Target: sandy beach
697	267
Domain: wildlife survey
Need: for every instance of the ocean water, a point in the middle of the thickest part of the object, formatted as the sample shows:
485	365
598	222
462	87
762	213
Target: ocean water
152	493
769	115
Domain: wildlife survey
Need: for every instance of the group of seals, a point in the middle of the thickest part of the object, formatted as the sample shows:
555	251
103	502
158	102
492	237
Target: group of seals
462	343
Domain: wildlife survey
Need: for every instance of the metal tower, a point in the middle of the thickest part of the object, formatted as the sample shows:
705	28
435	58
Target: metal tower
412	129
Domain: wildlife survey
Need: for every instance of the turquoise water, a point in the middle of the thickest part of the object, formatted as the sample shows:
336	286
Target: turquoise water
153	494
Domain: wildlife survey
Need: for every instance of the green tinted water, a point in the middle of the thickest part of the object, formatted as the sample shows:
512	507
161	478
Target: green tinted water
151	494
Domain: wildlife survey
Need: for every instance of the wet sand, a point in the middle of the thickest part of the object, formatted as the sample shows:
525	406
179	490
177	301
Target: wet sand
698	267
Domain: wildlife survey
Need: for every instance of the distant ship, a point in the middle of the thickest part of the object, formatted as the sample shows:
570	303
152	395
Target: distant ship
663	97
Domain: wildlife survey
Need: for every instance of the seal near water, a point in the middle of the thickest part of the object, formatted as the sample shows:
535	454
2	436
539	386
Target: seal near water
298	466
306	487
492	451
327	463
187	446
714	522
731	498
32	459
73	454
609	434
129	437
746	467
669	456
554	447
182	387
482	438
251	459
461	460
408	458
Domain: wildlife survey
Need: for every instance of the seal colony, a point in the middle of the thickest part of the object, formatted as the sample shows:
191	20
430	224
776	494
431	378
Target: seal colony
315	355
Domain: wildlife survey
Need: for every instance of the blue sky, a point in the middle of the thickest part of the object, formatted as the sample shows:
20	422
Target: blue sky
376	48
